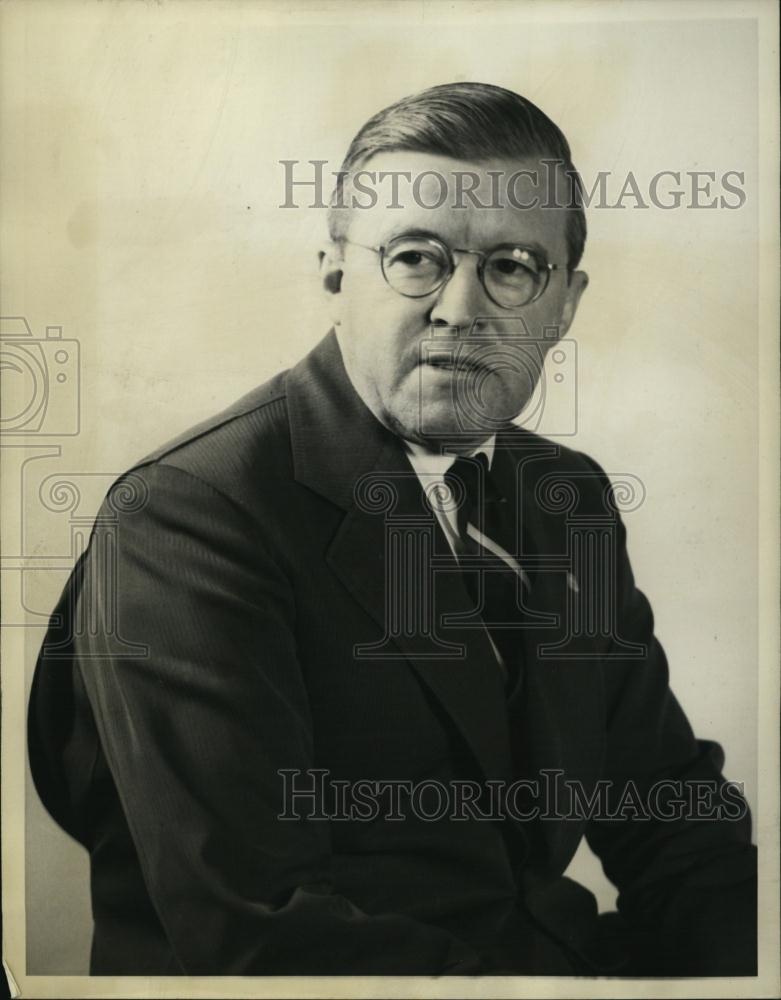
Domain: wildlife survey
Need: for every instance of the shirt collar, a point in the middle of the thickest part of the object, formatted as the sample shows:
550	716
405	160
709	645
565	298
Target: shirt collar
437	463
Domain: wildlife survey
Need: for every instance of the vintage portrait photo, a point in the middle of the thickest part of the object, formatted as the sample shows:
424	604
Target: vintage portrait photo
390	512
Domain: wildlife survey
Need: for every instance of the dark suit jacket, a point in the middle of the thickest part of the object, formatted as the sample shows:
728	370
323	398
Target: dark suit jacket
207	640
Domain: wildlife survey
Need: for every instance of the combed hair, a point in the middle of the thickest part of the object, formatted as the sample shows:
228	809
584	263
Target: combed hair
466	121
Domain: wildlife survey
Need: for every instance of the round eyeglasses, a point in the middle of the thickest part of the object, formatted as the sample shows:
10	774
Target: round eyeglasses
512	275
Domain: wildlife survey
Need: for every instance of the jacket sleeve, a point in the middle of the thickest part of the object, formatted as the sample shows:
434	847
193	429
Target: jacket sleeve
679	849
195	733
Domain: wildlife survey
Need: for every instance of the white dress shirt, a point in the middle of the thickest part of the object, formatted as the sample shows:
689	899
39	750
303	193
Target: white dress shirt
430	468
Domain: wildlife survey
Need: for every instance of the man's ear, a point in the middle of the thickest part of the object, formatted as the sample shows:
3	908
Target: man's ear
331	266
578	281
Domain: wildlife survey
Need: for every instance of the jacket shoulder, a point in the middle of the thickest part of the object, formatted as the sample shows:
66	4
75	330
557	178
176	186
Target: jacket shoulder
553	455
558	480
229	450
260	410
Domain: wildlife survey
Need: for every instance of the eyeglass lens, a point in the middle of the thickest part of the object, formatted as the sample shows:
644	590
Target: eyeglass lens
417	266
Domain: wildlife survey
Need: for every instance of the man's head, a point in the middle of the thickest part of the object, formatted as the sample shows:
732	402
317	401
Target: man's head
443	344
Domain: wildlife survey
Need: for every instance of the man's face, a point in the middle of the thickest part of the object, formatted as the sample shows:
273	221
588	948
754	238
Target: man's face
398	350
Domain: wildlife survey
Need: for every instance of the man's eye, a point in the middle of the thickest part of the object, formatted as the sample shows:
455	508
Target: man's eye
508	266
409	257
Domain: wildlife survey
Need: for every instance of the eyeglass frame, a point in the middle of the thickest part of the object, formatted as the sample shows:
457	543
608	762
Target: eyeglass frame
483	255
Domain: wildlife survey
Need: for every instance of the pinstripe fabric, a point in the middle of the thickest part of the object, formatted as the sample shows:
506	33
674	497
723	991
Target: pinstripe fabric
225	650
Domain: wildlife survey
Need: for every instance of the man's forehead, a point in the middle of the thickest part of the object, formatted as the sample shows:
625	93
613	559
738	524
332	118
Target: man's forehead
476	203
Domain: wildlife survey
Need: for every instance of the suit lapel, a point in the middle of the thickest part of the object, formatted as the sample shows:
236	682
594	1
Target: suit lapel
342	452
456	664
388	553
557	719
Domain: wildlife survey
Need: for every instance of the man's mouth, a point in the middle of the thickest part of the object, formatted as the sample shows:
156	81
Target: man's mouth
446	362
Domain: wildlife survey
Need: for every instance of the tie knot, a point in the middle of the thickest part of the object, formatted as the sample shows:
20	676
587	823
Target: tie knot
471	485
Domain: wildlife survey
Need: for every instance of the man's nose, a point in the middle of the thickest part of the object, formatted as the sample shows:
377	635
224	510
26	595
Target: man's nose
461	299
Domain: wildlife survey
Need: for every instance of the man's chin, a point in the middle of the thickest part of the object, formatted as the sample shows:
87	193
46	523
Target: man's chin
433	427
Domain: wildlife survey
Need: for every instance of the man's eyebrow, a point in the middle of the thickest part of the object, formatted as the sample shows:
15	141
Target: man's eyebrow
430	234
402	230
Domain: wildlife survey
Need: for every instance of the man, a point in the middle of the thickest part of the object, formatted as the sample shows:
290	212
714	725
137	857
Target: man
363	589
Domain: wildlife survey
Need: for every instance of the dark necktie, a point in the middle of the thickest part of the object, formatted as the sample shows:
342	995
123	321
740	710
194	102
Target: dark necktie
493	585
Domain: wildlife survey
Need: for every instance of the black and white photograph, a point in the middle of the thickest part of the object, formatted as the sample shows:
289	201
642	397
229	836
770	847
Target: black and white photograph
390	498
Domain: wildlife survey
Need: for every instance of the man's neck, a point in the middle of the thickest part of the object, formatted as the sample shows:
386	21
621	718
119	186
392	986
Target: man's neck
452	450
